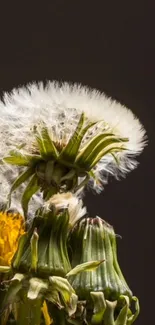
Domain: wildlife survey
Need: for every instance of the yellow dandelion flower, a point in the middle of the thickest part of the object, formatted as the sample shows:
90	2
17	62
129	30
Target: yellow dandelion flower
11	228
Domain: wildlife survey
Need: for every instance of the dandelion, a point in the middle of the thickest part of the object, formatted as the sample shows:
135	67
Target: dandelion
41	266
50	227
56	140
11	229
61	137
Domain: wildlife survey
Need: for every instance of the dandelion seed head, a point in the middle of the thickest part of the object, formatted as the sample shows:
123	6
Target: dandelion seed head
59	106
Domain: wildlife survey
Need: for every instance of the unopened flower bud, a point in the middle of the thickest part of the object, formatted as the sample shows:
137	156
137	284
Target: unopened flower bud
105	292
43	250
97	241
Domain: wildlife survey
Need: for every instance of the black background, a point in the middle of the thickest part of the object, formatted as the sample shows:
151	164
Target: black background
109	45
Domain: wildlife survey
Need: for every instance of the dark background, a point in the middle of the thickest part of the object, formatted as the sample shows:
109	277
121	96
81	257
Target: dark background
109	45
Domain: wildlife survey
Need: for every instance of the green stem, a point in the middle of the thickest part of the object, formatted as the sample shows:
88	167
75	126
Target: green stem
29	312
58	316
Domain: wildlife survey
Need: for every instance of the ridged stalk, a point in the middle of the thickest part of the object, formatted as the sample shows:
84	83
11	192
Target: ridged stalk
29	311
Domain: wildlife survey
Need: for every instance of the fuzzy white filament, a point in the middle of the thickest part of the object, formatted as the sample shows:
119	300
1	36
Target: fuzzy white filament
59	106
68	201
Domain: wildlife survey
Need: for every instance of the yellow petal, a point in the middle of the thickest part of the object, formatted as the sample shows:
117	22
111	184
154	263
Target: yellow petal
11	228
47	318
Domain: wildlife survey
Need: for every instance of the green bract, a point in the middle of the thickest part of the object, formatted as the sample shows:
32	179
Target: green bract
81	284
52	167
97	241
43	249
41	269
26	294
105	290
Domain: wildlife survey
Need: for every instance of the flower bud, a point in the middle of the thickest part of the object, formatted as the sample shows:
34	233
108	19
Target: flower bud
97	241
103	292
43	250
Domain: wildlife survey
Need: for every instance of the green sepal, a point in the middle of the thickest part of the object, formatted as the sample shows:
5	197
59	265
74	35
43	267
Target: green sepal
67	293
50	149
19	252
31	189
54	297
83	183
71	150
88	266
108	150
115	158
20	159
70	175
103	147
37	287
34	250
109	313
133	317
122	317
46	146
97	148
99	307
21	179
12	292
89	147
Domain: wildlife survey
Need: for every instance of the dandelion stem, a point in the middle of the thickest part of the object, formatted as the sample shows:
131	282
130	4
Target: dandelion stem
29	311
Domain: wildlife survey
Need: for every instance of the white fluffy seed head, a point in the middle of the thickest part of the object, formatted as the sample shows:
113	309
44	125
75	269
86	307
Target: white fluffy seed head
68	201
59	106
